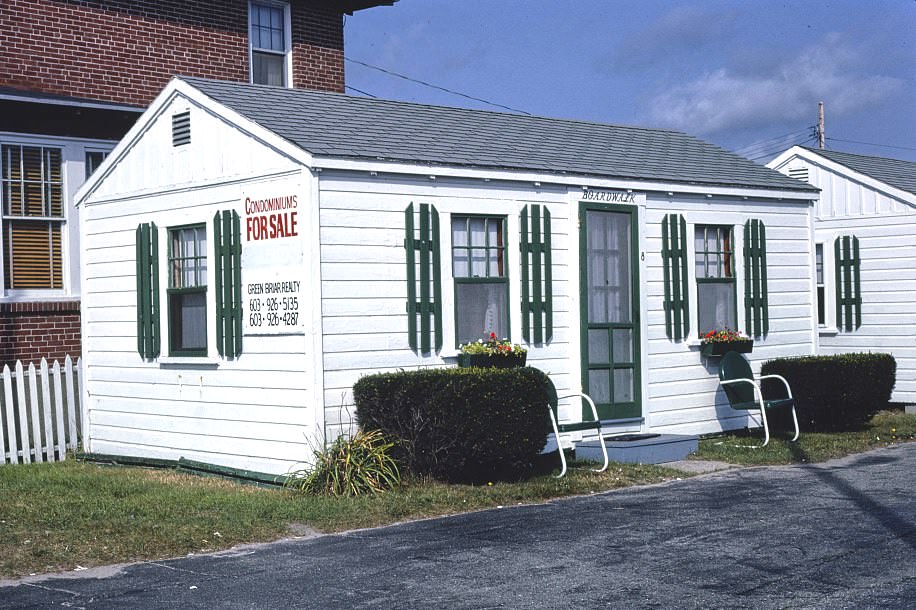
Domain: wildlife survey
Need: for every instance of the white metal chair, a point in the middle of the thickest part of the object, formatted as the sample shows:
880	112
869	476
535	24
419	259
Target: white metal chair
594	424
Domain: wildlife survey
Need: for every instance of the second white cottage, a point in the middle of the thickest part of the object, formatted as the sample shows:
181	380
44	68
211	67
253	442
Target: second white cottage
249	252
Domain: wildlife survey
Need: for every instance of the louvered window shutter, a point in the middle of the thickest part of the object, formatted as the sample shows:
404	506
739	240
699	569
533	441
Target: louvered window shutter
674	262
148	290
537	281
848	292
424	272
227	236
756	306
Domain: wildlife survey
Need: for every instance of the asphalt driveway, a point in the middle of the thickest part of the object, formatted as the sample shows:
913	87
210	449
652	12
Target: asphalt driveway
838	535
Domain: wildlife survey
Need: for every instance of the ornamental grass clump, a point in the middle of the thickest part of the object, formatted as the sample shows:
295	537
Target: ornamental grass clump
355	466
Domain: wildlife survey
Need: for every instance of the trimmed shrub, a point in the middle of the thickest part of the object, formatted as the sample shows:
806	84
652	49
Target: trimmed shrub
459	424
836	393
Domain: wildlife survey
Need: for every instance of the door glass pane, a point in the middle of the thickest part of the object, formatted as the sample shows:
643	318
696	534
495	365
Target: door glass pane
599	386
623	346
598	351
716	304
481	309
623	385
608	277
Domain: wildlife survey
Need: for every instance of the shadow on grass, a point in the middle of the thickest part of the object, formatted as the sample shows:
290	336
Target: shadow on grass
897	525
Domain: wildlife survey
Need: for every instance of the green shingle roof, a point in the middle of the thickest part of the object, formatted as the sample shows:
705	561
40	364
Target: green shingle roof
340	126
894	172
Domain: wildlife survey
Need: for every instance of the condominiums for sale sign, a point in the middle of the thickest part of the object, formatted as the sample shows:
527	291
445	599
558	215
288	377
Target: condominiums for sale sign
272	263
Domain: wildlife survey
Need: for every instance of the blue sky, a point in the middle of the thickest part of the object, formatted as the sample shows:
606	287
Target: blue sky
744	75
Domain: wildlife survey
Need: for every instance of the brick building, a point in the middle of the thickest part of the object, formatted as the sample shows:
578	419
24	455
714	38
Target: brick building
74	76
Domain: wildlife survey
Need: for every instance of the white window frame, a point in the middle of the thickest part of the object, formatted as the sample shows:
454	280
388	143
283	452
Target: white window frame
73	168
825	241
287	53
62	220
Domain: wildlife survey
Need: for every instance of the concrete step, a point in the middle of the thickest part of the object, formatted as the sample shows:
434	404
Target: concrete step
640	448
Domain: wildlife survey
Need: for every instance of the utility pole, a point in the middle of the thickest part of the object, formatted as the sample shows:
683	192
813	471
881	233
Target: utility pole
820	126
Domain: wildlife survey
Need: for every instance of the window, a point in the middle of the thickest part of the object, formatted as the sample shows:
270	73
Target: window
187	292
94	158
269	42
715	272
32	199
481	282
819	279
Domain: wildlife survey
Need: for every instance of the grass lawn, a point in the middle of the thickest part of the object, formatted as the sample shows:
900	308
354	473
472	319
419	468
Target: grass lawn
885	428
60	516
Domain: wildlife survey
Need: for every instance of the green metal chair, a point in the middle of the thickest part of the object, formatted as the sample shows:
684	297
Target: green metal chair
745	394
595	424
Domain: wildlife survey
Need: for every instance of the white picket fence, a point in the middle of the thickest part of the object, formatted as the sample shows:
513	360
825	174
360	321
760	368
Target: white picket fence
40	415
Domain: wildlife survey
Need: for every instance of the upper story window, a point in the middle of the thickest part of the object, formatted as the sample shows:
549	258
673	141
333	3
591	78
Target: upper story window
269	34
187	294
715	272
32	200
481	277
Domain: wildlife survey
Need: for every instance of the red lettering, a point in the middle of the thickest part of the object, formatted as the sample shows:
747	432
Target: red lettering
271	226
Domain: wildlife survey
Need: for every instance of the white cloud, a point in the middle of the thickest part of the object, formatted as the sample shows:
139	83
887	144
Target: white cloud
725	99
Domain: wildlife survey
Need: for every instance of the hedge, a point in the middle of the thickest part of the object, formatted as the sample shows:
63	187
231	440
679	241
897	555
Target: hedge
836	393
459	424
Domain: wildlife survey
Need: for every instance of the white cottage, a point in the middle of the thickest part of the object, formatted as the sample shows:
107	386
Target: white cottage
865	247
249	252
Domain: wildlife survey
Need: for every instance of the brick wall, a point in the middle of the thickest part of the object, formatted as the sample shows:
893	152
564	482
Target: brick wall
32	331
126	50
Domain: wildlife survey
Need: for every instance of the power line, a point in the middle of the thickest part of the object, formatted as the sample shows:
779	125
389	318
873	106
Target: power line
764	143
773	150
426	84
360	91
870	144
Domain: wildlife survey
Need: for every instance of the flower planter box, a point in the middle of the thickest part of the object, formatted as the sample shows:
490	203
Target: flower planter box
488	361
720	349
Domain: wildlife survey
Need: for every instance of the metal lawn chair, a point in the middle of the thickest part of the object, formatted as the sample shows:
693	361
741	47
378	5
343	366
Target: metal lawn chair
594	424
745	394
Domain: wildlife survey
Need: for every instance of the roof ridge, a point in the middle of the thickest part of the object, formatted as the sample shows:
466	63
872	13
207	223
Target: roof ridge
521	115
861	156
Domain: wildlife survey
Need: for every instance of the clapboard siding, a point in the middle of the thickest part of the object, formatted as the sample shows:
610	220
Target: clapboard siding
883	218
364	276
682	389
255	412
887	247
364	290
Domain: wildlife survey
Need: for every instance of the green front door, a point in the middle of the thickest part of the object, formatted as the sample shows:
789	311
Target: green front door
609	297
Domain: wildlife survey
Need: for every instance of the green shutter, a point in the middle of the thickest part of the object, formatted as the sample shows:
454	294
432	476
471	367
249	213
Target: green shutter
227	237
848	291
537	276
148	290
674	263
428	307
756	300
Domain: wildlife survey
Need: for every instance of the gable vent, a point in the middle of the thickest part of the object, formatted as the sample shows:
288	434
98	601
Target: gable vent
181	128
799	173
